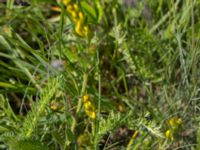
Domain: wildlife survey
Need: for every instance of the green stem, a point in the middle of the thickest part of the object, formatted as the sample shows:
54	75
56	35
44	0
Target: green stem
84	84
96	127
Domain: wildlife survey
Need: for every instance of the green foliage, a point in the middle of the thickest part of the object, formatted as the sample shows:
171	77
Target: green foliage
139	64
38	108
27	144
31	120
113	121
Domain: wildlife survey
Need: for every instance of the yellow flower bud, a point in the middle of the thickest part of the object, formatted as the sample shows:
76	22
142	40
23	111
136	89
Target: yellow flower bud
169	134
75	6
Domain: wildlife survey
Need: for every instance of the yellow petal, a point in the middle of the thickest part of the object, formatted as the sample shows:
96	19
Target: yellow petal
79	29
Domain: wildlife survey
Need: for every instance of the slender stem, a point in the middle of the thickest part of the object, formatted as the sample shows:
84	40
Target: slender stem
99	87
61	23
193	45
99	104
193	52
84	84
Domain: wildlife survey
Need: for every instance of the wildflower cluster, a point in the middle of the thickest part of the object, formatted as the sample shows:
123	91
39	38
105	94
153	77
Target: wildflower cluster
78	18
89	106
174	124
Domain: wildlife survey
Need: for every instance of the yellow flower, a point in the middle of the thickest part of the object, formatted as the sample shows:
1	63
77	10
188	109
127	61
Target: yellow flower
169	134
78	28
175	122
72	8
81	30
91	114
78	18
89	107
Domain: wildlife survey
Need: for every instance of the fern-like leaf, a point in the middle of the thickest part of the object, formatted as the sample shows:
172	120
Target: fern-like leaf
33	116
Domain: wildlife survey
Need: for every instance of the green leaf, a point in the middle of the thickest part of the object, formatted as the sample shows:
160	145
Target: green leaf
4	43
70	135
99	10
71	56
90	11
